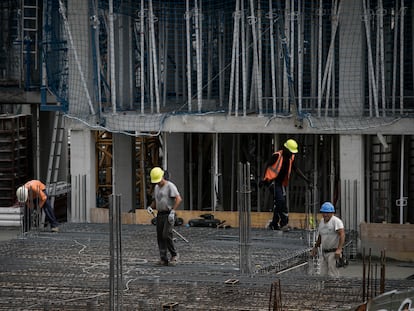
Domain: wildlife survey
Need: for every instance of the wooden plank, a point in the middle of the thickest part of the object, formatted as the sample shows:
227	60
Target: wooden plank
258	219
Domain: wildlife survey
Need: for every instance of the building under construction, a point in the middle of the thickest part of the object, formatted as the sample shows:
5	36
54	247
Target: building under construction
95	93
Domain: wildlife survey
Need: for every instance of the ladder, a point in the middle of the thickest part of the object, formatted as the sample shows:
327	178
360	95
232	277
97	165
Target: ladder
54	156
30	17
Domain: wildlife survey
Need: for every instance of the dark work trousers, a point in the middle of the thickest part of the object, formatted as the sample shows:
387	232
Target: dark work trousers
47	209
280	211
50	215
165	236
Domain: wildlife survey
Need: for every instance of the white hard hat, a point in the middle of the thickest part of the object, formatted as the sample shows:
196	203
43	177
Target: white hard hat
22	193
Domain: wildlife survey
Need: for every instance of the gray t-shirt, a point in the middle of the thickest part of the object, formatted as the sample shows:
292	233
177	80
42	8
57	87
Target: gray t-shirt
327	231
165	196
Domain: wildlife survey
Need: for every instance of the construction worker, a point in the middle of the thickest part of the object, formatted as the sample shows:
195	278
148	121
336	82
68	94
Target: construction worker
33	193
331	240
166	199
277	173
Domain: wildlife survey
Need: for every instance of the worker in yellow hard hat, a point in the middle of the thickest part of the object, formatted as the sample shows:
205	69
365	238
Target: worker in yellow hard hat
166	199
277	173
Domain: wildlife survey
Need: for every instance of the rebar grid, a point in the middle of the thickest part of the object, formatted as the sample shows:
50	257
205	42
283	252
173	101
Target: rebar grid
71	271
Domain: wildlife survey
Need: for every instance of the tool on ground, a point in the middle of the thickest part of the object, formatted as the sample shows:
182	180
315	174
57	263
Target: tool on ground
151	211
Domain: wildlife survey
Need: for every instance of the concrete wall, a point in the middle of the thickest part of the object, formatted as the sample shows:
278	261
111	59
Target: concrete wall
352	175
123	182
83	182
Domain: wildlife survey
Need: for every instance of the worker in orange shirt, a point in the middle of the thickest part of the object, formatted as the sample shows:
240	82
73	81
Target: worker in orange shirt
34	192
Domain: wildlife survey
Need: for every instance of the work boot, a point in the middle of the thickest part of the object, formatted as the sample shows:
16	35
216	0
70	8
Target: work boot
285	228
274	227
174	260
162	263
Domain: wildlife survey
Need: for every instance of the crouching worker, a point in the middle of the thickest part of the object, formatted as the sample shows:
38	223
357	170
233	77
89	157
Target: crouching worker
34	193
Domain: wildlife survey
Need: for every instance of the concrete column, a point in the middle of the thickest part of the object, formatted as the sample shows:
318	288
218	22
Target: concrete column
352	174
123	182
83	175
351	60
175	162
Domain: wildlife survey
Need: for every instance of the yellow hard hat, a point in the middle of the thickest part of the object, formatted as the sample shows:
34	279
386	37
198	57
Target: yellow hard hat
291	145
156	175
22	193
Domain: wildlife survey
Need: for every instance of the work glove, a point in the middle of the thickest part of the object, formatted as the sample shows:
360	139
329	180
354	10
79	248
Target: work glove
150	210
171	217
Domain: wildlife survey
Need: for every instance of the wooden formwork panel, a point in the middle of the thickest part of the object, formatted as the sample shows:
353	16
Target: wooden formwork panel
141	216
396	240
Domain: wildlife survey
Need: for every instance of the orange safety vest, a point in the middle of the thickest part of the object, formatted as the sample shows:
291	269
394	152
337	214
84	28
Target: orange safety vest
273	170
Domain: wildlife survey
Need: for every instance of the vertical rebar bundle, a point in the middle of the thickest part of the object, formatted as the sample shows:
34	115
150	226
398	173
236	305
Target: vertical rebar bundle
370	276
244	217
275	301
115	250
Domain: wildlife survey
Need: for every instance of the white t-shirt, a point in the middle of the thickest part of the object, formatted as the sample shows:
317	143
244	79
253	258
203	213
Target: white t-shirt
165	196
328	232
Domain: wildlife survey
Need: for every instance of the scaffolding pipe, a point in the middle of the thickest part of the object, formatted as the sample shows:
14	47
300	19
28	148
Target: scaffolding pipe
198	35
259	55
96	53
112	55
320	57
237	73
286	51
402	199
151	74
188	40
381	25
177	61
244	64
214	171
209	58
256	60
142	47
272	57
221	48
335	19
402	58
377	64
190	169
164	68
394	59
234	51
292	38
154	56
300	56
370	61
329	63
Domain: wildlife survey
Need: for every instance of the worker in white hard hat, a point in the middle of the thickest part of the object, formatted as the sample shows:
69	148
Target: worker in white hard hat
33	193
277	173
166	199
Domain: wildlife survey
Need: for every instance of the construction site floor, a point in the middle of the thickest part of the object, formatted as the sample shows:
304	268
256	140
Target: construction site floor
71	270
